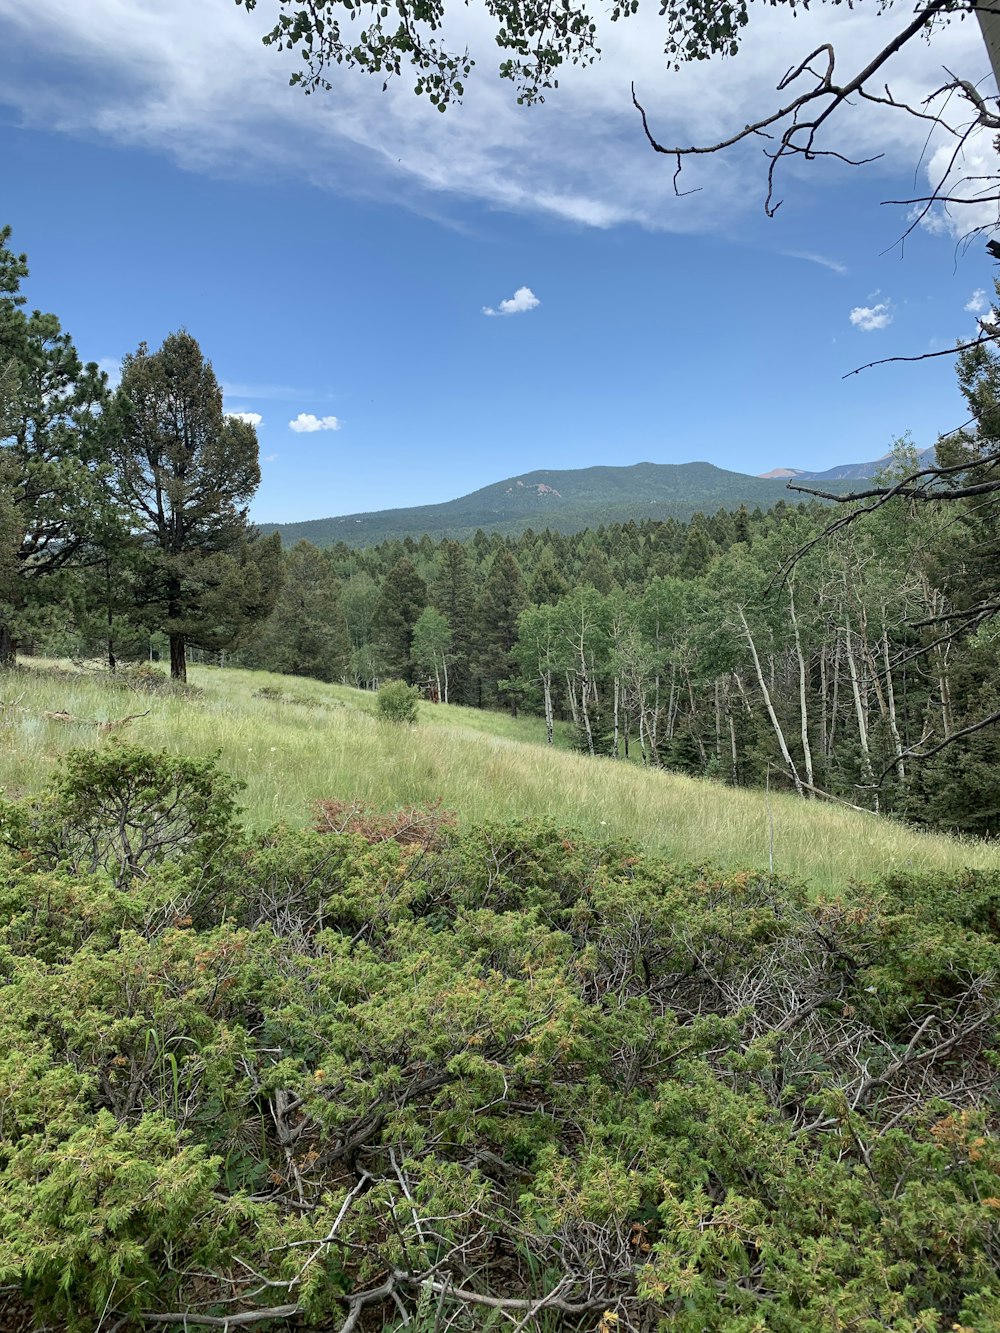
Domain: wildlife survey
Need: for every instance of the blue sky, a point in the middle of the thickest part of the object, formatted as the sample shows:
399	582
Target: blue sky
335	255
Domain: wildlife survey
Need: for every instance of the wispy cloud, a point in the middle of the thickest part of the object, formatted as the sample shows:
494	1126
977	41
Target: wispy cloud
239	389
251	418
269	458
306	424
523	299
870	317
976	303
834	265
157	84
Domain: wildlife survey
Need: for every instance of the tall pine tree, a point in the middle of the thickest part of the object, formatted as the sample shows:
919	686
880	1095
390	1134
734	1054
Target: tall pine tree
52	442
306	633
186	472
402	597
501	601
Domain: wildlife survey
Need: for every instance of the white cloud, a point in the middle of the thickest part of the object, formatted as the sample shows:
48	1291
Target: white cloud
523	299
269	458
251	418
305	423
834	265
869	317
156	82
976	303
965	178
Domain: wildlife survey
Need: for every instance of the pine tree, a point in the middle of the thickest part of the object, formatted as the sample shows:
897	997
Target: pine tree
452	594
402	597
306	633
52	442
185	473
501	601
546	585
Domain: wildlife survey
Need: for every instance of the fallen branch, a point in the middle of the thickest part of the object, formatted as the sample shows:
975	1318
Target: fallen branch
104	728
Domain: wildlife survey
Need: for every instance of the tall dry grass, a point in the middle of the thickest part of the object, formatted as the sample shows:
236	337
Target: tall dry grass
322	741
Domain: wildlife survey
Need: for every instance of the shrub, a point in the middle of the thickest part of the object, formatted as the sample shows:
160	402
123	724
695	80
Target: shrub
398	702
124	809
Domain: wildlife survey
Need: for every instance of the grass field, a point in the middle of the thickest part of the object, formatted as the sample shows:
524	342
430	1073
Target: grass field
324	741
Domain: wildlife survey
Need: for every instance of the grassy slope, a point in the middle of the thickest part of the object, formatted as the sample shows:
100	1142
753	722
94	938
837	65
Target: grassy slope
330	744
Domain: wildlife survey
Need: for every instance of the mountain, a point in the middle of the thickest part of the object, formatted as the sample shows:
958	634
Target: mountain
565	501
844	471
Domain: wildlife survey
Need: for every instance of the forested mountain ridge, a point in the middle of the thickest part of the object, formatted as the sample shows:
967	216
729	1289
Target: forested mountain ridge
562	500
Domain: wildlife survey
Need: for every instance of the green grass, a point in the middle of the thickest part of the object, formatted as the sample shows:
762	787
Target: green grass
324	741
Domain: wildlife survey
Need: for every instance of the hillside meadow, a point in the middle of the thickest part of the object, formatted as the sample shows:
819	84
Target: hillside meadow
293	742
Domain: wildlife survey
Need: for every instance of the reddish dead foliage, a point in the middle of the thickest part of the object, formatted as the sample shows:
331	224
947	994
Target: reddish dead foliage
412	827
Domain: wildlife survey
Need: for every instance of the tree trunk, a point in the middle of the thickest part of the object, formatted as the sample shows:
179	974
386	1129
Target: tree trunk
571	691
444	668
803	703
989	23
859	709
549	725
732	743
111	619
835	700
890	694
614	749
585	714
782	744
8	647
178	658
702	754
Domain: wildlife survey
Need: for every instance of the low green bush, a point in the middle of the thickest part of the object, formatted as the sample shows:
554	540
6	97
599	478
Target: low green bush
319	1076
398	702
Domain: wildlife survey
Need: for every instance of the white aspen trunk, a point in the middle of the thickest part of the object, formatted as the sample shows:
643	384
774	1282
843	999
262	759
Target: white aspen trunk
698	741
770	707
874	674
547	690
614	748
654	745
859	709
890	695
718	723
670	703
444	666
437	683
824	717
585	714
732	744
571	691
743	693
803	703
642	743
944	685
835	700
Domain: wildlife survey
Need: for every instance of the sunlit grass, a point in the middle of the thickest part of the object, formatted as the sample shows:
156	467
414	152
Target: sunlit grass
325	741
